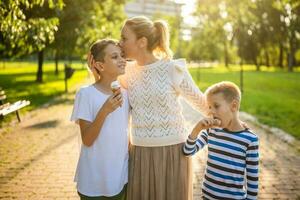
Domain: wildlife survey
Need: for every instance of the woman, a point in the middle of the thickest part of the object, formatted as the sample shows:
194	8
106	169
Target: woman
157	168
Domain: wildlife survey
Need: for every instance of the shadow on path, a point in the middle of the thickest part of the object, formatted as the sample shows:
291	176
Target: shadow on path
12	172
42	125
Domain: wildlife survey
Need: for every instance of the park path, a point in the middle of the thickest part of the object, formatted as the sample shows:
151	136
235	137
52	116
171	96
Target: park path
39	155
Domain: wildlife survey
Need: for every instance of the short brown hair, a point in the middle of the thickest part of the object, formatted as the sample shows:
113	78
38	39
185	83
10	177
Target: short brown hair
98	47
229	90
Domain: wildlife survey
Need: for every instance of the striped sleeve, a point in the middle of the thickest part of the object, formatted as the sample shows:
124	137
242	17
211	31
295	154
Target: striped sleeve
252	163
193	146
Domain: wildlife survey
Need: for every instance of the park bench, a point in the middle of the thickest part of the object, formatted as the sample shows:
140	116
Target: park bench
6	107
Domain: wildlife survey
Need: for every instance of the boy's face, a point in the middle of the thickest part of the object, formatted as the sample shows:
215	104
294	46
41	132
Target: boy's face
221	109
113	63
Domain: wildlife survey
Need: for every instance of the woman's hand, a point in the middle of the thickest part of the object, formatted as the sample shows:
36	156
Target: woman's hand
91	62
244	124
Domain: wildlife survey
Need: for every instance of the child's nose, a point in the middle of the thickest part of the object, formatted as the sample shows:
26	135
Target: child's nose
211	111
122	60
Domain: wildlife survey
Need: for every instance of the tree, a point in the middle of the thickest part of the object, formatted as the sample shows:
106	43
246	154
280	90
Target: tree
291	16
22	32
83	22
27	27
105	19
215	30
263	30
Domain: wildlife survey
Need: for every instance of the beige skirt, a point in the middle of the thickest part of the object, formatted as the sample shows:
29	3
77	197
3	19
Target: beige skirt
159	173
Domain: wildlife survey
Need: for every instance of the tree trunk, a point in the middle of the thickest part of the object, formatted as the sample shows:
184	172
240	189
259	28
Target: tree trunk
256	64
39	75
56	62
291	61
280	61
69	59
226	60
260	60
241	77
267	58
291	56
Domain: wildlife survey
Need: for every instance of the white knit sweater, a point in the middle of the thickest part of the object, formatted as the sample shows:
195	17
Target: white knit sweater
153	91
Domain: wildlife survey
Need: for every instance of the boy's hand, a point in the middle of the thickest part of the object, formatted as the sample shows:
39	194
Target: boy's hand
113	102
204	123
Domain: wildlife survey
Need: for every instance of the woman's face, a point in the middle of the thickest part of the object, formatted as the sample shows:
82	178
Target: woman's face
128	43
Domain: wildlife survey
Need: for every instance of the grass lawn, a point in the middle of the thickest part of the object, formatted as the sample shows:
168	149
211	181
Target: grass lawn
271	95
18	81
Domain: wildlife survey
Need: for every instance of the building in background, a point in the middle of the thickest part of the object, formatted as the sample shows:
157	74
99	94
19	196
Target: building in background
151	7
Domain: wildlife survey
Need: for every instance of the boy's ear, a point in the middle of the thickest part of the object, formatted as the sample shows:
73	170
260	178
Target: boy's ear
142	42
235	105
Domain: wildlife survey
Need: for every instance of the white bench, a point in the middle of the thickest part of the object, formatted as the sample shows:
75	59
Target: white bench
6	108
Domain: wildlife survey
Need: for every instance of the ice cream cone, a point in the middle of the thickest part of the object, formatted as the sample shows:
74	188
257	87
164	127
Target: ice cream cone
115	85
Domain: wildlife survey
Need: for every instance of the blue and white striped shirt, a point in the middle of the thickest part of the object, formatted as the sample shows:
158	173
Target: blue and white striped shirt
232	158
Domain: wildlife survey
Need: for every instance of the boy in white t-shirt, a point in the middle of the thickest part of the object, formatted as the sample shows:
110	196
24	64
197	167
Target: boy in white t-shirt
102	115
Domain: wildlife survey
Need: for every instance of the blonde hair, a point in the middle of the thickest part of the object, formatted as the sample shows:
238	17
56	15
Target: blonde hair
156	33
229	90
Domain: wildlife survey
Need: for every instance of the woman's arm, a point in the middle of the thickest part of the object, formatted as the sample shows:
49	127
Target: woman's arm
90	63
186	87
189	90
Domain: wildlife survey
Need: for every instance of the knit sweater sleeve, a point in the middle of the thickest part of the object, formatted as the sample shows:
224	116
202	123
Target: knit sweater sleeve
185	85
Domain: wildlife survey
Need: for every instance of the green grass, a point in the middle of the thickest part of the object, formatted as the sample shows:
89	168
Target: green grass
18	81
271	95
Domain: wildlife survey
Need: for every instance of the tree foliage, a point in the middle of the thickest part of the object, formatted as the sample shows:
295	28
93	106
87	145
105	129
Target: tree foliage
263	31
27	26
82	22
104	20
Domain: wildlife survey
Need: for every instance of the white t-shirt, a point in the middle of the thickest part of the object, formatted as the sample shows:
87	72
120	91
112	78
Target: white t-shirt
102	168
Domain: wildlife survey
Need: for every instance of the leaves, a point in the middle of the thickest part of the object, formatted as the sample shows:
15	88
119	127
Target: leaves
82	23
28	26
24	29
255	27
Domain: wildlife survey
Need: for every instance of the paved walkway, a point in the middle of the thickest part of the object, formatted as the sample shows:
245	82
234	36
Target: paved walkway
38	159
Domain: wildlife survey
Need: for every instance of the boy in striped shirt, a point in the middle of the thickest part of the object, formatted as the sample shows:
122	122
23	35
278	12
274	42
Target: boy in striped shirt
232	165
